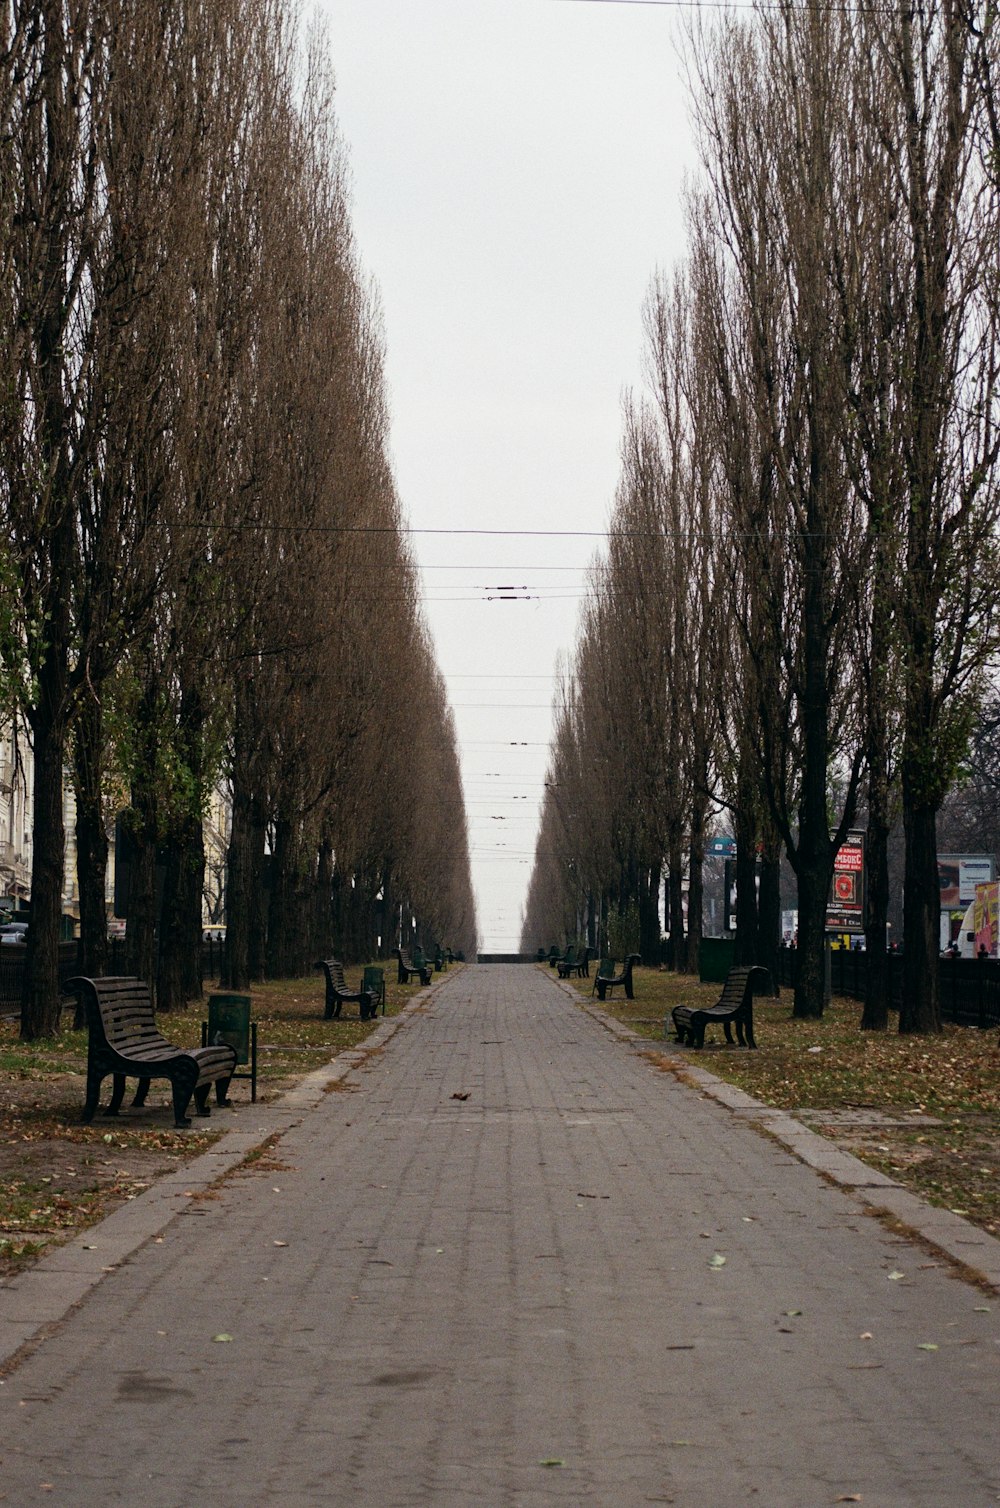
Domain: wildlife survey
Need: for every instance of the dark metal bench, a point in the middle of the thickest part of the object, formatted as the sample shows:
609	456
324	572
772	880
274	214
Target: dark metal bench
567	963
124	1040
408	966
338	994
733	1008
576	961
605	971
624	980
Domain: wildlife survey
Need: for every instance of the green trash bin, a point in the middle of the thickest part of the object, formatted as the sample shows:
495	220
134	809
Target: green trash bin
373	980
229	1021
715	959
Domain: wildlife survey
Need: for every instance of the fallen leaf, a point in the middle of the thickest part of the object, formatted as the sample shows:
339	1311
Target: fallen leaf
552	1461
865	1335
850	1497
982	1309
223	1336
463	1094
896	1277
281	1243
926	1345
717	1260
792	1313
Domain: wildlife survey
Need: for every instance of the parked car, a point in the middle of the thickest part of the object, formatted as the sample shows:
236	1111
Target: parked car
116	927
13	933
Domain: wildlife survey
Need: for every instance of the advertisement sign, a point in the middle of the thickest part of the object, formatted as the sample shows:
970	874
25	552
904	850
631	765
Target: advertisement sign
958	876
845	911
986	918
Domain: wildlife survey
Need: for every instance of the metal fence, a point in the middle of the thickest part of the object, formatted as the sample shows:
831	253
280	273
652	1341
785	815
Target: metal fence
969	987
12	966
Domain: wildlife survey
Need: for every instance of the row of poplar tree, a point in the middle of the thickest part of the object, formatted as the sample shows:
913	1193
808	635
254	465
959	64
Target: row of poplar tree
204	575
796	616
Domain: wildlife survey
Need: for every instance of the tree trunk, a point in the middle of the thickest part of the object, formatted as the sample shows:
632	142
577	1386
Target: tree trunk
91	839
745	946
769	911
649	916
236	958
920	1010
813	856
279	910
875	1015
40	1004
321	939
179	977
696	885
140	938
811	951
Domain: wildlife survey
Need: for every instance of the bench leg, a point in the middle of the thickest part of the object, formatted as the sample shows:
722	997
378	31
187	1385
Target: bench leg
117	1094
93	1099
182	1086
727	1028
222	1091
682	1024
201	1105
142	1089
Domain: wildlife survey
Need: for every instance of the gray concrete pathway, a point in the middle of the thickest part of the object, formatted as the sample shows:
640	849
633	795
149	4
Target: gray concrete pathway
504	1260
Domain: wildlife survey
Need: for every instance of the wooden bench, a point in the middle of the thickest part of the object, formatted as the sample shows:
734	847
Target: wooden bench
123	1040
733	1008
338	994
576	961
623	980
408	966
605	972
567	963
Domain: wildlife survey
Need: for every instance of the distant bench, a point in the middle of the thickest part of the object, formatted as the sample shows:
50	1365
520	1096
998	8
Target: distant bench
408	966
606	978
337	993
733	1008
124	1040
574	961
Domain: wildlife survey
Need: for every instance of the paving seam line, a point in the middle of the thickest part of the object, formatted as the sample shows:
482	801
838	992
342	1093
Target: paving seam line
955	1238
36	1299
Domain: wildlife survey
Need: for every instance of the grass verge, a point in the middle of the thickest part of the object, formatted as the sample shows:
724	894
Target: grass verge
924	1110
58	1176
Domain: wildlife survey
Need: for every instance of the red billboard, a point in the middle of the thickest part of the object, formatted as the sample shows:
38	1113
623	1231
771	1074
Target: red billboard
845	910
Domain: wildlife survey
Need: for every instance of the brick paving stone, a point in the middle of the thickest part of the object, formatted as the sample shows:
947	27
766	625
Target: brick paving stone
478	1271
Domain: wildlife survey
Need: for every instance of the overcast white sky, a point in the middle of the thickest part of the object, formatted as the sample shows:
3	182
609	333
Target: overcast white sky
516	180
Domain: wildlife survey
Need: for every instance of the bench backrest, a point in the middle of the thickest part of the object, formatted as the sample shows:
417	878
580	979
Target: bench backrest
738	988
119	1008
